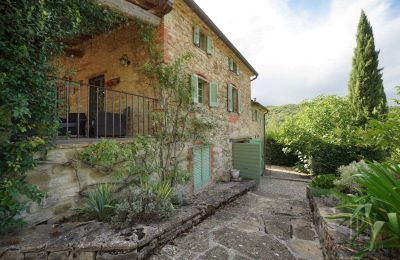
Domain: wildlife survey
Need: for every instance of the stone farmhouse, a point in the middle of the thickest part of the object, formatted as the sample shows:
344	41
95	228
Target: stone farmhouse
107	95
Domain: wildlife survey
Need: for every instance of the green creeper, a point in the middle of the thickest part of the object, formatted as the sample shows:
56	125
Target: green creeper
366	93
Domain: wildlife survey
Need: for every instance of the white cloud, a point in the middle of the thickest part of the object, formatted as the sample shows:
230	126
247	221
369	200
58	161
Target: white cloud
302	54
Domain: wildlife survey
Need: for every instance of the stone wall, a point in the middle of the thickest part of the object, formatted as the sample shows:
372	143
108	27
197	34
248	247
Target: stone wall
64	177
178	40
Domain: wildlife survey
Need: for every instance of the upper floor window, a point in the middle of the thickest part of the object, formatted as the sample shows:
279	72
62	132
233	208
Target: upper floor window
200	89
234	99
255	115
233	66
203	41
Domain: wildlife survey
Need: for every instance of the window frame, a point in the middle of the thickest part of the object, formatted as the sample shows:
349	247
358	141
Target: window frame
235	99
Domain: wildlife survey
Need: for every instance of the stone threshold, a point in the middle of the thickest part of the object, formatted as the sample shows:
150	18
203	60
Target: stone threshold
99	241
334	237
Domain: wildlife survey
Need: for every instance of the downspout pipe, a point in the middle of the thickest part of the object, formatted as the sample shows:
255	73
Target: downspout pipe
256	76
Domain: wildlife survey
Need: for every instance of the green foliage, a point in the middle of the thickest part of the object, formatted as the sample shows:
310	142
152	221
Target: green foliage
100	203
322	134
347	181
178	120
139	204
31	34
385	133
376	206
162	190
113	156
366	93
277	115
276	152
325	181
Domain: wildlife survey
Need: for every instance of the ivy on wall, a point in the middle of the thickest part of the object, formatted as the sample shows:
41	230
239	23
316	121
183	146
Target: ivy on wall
31	33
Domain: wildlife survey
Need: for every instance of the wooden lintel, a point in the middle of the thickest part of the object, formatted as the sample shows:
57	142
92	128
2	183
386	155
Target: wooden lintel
132	11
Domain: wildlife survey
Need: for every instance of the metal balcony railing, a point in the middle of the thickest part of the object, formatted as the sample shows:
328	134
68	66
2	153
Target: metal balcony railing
94	111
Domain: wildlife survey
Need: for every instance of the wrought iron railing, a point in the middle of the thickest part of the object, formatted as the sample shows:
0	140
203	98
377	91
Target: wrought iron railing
94	111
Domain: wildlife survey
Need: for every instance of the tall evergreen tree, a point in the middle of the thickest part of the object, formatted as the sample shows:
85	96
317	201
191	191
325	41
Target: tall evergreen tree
366	93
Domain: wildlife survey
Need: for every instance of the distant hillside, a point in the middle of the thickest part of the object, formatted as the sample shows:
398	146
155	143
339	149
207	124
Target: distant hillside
278	114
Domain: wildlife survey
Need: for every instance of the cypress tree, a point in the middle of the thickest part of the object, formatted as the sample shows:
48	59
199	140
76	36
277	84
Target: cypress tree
366	93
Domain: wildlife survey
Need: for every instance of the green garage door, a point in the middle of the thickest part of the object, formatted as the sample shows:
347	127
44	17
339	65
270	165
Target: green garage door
247	158
201	167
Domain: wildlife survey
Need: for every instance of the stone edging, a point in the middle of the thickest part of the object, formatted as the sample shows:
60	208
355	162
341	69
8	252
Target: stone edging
99	241
331	235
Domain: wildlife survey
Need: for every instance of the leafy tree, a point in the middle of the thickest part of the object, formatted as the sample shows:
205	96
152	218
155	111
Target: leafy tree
323	137
366	93
386	133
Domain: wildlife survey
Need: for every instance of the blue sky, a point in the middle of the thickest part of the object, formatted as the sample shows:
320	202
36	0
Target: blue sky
304	48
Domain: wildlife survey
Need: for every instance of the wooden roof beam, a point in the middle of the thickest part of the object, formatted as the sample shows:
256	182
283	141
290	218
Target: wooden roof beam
131	11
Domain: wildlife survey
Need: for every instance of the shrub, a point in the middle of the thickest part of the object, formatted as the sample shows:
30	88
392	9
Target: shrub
100	203
385	134
376	206
347	182
324	181
140	204
324	135
276	152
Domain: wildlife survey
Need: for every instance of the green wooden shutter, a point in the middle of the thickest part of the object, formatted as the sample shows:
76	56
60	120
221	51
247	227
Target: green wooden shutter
195	88
230	98
247	158
197	165
196	35
239	102
213	94
210	45
262	162
206	166
230	64
237	69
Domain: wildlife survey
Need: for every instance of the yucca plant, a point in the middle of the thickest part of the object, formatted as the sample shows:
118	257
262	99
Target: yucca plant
162	189
375	209
100	203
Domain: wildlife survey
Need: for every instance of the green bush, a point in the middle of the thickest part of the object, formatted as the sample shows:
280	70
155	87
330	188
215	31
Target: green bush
375	209
100	203
112	156
139	204
385	133
323	135
324	181
347	181
276	153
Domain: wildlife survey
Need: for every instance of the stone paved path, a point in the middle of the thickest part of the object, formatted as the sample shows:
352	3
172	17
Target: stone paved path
272	222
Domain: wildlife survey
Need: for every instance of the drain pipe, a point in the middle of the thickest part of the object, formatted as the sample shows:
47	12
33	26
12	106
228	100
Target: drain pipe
254	78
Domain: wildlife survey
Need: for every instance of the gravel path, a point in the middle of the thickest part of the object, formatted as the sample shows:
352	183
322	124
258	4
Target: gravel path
272	222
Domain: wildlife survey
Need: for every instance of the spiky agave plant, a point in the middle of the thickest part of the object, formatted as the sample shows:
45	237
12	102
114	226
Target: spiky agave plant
100	202
375	209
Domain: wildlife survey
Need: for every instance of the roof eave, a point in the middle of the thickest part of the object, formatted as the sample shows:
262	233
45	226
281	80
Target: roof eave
192	4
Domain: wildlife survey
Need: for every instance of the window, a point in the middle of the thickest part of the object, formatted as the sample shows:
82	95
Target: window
234	100
233	66
203	41
204	91
254	115
201	91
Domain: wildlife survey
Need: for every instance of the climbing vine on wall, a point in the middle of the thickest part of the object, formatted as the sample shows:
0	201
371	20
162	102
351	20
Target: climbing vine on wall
31	33
178	120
